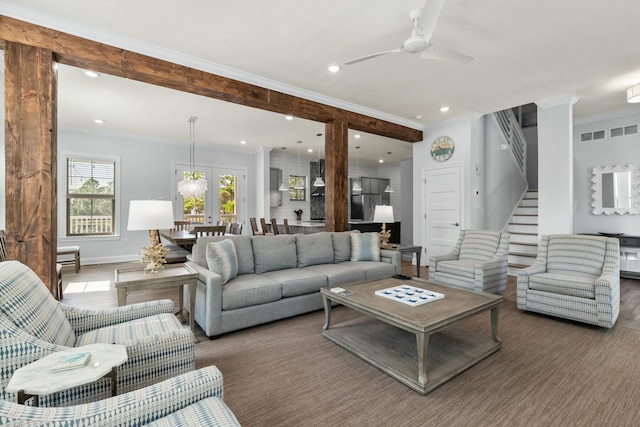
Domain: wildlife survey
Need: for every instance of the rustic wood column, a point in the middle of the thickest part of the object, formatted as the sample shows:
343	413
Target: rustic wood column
30	146
336	148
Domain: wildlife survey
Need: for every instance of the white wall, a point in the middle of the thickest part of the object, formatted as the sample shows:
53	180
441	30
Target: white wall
146	172
621	150
504	181
406	202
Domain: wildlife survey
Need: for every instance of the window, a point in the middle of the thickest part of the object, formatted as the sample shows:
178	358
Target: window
297	188
91	197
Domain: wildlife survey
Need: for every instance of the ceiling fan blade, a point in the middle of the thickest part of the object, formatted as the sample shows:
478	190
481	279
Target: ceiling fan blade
430	13
443	53
364	58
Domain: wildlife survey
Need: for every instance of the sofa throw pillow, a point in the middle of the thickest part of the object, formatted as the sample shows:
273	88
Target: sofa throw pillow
365	247
272	253
342	245
314	249
222	259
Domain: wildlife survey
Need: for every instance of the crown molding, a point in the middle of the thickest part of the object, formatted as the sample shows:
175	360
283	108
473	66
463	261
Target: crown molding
55	22
608	115
569	99
454	121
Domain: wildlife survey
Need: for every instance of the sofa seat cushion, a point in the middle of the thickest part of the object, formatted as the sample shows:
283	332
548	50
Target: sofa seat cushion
375	270
340	274
577	286
298	281
313	249
272	253
464	268
250	289
130	332
26	302
211	412
479	245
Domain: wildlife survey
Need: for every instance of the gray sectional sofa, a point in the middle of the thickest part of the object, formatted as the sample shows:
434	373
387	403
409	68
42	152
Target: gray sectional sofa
280	276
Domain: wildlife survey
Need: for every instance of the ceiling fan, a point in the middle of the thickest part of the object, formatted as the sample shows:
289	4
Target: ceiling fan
424	23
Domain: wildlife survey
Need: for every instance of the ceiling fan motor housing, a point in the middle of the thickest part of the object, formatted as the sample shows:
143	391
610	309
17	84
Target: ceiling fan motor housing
415	44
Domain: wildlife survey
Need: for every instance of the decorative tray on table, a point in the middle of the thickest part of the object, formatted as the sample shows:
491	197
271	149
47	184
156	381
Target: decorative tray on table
409	295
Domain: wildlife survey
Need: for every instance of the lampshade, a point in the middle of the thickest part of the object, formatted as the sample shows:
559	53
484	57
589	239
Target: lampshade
150	215
283	187
318	182
388	189
633	94
383	213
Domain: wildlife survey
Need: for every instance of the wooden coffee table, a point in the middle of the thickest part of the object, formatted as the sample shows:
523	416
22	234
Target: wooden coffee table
419	346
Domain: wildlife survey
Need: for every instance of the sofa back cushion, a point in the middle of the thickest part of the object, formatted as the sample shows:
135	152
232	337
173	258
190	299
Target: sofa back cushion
244	251
342	245
576	255
274	252
313	249
222	259
27	302
479	245
365	247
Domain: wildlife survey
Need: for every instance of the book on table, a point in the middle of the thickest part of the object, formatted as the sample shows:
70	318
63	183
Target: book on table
71	361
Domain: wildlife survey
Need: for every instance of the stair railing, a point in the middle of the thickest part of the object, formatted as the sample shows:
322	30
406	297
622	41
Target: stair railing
512	131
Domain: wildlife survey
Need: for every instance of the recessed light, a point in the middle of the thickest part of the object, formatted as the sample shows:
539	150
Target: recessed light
310	150
333	68
243	142
357	135
288	117
99	121
444	109
90	73
418	117
381	161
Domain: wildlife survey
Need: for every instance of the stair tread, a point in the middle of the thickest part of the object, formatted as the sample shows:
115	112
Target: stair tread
523	254
524	223
522	233
523	244
514	265
521	214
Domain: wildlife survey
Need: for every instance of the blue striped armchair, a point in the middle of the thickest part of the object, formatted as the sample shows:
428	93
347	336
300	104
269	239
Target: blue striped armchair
195	398
478	261
33	324
575	277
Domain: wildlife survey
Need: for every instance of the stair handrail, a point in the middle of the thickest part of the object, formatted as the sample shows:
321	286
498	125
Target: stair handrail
512	132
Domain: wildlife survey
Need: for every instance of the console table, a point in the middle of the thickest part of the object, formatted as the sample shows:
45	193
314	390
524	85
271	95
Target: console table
629	256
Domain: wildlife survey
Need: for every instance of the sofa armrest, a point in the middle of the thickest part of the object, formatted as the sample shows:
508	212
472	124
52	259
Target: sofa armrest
134	408
607	288
392	257
434	260
84	320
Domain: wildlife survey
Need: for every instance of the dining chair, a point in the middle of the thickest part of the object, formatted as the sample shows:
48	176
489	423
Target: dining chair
274	227
209	230
254	227
286	226
3	246
265	229
235	228
181	225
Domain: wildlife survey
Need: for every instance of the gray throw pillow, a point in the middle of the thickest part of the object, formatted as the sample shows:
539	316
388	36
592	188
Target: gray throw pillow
314	249
272	253
222	259
365	247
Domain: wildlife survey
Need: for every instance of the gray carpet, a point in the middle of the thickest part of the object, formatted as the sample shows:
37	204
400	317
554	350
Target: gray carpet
549	372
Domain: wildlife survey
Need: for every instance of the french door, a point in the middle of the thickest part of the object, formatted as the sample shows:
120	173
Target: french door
224	200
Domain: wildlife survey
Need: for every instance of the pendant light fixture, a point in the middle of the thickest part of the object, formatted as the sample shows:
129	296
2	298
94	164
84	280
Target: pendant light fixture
356	182
283	186
192	186
319	182
388	189
299	182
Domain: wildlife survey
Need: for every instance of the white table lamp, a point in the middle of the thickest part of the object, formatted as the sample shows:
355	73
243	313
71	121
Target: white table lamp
383	214
151	215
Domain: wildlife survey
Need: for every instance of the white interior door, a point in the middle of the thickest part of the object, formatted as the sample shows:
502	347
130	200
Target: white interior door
443	203
224	199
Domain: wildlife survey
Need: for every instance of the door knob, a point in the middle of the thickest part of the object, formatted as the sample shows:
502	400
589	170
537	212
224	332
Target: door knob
455	223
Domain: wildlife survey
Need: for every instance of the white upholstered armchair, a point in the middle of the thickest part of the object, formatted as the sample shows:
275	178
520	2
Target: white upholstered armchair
478	261
33	324
575	277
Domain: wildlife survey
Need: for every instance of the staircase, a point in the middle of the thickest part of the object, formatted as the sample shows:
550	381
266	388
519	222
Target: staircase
523	227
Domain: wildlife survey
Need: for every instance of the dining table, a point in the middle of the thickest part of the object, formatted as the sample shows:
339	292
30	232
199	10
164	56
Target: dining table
179	237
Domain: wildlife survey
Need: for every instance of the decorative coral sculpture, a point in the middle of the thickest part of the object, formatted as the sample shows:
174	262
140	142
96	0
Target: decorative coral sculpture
154	256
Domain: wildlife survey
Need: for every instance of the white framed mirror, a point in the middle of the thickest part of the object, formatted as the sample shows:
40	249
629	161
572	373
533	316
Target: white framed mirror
616	190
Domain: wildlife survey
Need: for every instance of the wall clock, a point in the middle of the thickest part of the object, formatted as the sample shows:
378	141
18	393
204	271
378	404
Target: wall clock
442	148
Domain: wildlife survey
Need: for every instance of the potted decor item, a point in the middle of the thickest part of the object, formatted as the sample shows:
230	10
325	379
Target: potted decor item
298	214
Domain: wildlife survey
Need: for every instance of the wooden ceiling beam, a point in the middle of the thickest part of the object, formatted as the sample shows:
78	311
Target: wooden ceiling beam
79	52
